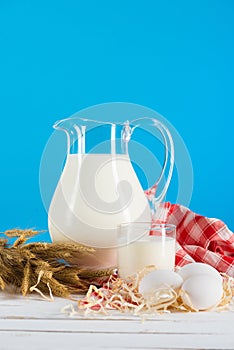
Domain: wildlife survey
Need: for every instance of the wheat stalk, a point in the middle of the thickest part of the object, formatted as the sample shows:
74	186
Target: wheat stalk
46	267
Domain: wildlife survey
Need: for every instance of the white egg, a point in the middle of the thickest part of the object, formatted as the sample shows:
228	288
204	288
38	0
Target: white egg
202	291
194	269
159	278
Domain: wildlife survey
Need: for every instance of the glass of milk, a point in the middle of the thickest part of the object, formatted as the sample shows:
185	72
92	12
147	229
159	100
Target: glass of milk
142	244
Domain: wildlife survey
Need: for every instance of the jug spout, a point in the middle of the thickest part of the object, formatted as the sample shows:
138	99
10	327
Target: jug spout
92	136
75	134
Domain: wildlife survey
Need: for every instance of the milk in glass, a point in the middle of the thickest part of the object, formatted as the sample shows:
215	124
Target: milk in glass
152	250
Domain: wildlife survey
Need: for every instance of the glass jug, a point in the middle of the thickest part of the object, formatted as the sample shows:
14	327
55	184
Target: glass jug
99	189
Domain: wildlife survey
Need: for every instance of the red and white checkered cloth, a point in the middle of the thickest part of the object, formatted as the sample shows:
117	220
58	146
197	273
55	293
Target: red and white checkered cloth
199	238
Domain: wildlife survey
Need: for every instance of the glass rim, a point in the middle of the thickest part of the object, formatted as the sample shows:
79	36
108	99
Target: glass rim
151	224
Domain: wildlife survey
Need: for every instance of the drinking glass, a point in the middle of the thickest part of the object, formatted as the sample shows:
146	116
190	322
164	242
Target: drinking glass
142	244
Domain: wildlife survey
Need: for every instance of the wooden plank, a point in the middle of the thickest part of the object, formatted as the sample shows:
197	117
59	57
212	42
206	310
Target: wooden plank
34	323
36	307
71	341
118	326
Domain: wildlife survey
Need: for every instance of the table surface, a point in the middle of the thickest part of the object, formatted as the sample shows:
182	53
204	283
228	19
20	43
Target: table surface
34	323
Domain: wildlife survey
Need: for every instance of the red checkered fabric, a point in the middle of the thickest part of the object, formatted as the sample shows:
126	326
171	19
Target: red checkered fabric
199	238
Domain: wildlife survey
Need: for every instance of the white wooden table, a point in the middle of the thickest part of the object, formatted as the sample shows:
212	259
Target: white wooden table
34	323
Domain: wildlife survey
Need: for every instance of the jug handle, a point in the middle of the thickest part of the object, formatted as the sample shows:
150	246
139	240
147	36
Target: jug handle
169	149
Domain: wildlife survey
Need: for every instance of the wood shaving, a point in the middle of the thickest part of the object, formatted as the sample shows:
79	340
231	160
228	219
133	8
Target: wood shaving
121	295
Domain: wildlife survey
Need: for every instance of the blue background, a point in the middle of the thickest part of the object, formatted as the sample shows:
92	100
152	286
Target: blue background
58	57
